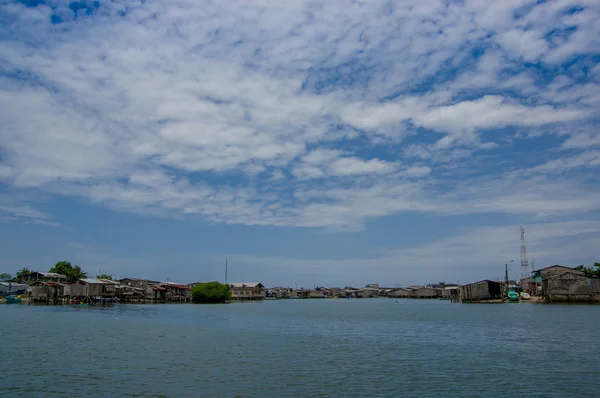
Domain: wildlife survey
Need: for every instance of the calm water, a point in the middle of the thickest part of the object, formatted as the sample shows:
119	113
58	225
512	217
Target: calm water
324	348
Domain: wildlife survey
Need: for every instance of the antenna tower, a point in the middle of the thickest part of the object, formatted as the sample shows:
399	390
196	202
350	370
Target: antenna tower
524	261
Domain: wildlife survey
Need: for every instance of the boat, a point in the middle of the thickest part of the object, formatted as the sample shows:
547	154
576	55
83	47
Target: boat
13	300
525	296
513	295
75	304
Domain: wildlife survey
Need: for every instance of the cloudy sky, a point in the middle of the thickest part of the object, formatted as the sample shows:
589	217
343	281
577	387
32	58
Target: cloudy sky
311	142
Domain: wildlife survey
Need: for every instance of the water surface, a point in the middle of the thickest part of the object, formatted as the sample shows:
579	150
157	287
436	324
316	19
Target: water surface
319	348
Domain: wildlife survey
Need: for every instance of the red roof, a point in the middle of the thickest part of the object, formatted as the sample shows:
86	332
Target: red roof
176	285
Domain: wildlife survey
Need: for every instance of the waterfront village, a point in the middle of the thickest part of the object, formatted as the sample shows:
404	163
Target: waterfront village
554	283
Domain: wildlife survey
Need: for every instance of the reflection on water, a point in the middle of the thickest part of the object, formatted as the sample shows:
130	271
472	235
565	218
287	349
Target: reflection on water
369	347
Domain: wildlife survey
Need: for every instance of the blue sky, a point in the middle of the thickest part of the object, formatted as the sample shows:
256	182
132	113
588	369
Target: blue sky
310	142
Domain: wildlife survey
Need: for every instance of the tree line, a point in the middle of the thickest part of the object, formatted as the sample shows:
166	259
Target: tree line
209	292
72	272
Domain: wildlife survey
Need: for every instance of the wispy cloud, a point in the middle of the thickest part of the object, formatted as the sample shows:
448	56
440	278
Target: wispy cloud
321	114
470	255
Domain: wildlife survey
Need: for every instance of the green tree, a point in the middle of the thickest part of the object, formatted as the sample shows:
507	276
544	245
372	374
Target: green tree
211	292
72	273
104	276
593	270
5	277
22	274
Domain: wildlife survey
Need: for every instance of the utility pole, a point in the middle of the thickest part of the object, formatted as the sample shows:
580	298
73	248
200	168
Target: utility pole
225	270
524	261
506	278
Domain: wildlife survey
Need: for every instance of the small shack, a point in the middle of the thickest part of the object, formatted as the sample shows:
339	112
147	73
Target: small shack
534	283
451	293
91	289
48	292
427	293
401	293
45	277
571	287
176	292
482	291
247	291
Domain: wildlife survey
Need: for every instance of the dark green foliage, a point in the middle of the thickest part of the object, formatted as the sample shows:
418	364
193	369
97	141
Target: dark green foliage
211	292
104	276
5	277
22	275
73	273
593	270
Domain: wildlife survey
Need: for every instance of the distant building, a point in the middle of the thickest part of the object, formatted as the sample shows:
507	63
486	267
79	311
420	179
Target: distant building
90	288
247	291
533	283
428	293
571	286
136	282
45	277
401	293
451	292
485	290
175	291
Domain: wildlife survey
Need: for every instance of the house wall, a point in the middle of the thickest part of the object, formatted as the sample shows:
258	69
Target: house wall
43	293
450	292
596	286
569	287
75	290
401	293
247	293
484	290
426	292
553	271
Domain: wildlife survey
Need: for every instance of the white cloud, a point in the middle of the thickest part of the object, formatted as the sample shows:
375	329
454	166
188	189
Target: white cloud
589	159
493	112
16	209
224	110
582	140
417	171
526	44
351	166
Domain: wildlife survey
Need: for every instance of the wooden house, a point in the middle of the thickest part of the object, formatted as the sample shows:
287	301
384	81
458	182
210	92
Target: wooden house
571	287
535	282
485	290
175	291
401	293
45	277
48	292
427	293
91	288
247	291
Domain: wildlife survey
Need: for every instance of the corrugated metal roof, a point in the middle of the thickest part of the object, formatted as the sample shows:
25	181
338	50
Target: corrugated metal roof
13	285
246	284
175	285
96	281
52	275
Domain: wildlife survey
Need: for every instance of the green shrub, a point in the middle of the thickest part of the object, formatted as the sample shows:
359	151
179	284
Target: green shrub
211	292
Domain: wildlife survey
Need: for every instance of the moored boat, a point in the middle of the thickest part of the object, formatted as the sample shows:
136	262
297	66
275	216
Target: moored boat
513	295
76	304
13	300
525	296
